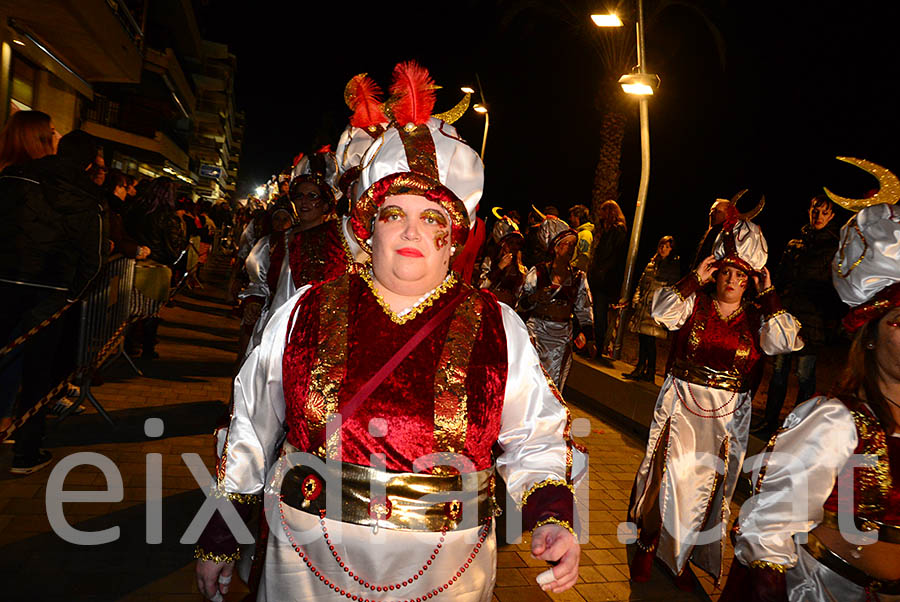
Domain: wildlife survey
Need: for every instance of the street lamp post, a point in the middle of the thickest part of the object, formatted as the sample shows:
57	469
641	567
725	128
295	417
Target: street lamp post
480	108
641	84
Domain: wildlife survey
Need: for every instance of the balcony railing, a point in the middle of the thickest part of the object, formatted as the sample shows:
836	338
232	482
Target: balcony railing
133	118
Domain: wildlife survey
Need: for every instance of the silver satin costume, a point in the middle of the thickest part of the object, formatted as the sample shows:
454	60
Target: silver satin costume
693	461
553	337
533	423
810	451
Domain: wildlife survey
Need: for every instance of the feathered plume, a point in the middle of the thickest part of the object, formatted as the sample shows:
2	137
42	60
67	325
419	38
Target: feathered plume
297	159
362	96
413	94
324	149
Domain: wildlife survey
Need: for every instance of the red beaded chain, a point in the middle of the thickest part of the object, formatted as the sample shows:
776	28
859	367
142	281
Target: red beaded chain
379	588
709	411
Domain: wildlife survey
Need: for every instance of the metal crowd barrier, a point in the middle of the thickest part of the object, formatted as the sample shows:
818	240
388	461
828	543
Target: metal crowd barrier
106	310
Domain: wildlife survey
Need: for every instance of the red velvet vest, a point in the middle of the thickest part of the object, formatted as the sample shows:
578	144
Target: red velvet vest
447	395
318	254
726	346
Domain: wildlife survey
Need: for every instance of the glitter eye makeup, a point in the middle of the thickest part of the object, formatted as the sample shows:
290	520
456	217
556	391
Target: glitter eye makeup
389	213
435	217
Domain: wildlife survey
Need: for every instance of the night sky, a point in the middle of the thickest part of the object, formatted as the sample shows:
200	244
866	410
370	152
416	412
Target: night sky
801	83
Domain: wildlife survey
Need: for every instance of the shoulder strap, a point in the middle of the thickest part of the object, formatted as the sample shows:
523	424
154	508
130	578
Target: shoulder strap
369	387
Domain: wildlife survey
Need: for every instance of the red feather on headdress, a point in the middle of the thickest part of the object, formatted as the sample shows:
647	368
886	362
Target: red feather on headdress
297	159
362	96
324	149
413	90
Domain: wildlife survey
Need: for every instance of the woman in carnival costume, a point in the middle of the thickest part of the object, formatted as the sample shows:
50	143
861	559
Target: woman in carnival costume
557	301
502	271
698	436
445	373
824	523
262	267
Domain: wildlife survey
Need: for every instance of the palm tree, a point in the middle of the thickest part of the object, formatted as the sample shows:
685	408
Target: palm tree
616	51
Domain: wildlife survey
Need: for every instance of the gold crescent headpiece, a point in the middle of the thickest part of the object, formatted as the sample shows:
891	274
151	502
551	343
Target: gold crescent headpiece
888	186
538	211
496	212
456	112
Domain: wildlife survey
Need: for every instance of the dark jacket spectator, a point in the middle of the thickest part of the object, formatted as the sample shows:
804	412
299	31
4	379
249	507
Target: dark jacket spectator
51	244
803	281
51	219
116	193
151	220
607	266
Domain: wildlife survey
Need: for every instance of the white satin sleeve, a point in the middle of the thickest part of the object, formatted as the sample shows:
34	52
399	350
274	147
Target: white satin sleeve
780	334
246	241
583	310
285	288
669	309
533	423
257	267
529	286
819	437
248	446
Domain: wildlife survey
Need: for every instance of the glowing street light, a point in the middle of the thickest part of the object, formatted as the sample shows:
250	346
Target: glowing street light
639	84
610	20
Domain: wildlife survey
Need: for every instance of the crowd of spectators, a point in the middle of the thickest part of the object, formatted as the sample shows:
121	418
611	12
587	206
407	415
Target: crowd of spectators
64	212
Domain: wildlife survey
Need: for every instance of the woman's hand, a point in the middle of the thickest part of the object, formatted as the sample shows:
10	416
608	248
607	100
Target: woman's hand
706	269
214	578
505	261
554	543
143	253
762	280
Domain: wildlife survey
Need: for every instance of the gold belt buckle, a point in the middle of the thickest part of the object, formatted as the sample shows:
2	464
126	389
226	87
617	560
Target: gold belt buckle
379	509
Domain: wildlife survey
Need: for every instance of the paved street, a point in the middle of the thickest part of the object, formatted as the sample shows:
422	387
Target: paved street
188	388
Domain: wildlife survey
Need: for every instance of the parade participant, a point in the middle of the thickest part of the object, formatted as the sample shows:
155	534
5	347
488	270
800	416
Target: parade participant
698	436
803	281
263	266
555	294
460	376
502	272
661	271
721	211
258	226
824	525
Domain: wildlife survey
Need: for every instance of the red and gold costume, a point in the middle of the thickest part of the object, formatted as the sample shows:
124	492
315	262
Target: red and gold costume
698	437
831	448
802	476
318	254
456	392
